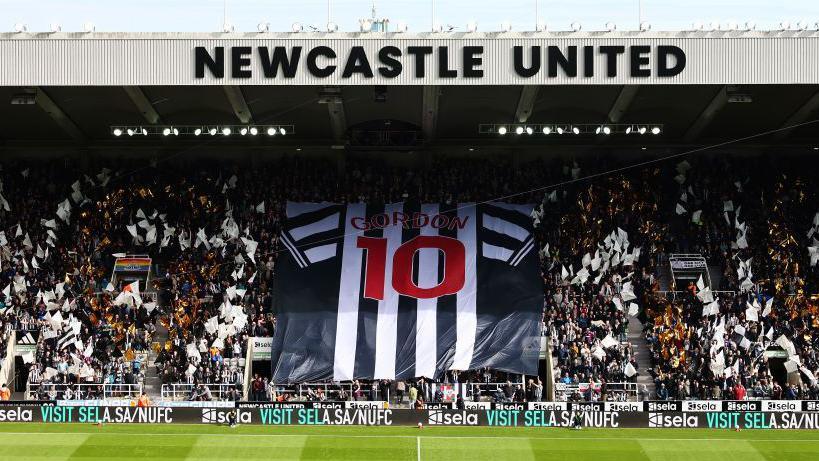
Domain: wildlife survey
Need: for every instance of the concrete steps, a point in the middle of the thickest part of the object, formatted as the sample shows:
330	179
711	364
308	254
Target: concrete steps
642	353
153	382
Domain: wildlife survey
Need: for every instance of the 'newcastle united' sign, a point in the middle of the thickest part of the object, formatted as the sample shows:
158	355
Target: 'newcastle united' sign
444	62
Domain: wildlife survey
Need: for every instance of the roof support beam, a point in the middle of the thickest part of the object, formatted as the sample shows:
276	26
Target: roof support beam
142	103
238	103
44	102
429	115
801	115
707	115
335	108
526	103
622	103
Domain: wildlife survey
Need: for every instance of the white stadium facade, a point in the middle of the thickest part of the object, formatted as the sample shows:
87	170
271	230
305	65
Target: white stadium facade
330	92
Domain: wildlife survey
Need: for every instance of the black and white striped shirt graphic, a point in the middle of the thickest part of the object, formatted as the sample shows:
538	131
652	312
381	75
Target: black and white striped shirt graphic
404	290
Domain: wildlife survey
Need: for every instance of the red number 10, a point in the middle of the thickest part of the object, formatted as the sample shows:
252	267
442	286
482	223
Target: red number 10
402	266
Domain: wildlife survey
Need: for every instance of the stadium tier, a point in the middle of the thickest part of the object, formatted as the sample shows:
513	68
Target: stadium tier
588	230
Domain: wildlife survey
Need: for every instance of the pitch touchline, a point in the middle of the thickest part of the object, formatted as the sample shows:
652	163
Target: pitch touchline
380	436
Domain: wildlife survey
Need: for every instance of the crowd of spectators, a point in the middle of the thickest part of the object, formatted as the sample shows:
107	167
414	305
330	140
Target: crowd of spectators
212	231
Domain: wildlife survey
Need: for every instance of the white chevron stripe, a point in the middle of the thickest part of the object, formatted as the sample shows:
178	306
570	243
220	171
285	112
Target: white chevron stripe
495	252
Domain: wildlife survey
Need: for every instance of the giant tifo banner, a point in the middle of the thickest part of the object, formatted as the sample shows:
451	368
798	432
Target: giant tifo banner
405	290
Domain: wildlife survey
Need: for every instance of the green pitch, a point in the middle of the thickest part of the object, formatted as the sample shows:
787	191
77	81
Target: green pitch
198	442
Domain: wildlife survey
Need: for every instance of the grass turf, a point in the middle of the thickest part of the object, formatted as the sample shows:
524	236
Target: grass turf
199	442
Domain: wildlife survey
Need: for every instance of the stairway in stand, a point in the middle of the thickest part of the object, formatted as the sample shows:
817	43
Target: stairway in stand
153	382
642	352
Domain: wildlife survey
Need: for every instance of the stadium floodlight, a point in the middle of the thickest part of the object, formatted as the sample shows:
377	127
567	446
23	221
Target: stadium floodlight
641	130
784	25
401	26
547	130
144	132
197	132
645	26
437	28
166	132
228	27
20	27
575	130
130	132
212	131
297	27
576	26
506	26
226	131
254	131
559	130
541	26
117	132
603	129
655	130
529	130
271	131
472	26
731	25
502	130
55	27
697	25
243	131
714	25
332	27
611	27
802	25
88	27
263	27
519	130
282	131
750	25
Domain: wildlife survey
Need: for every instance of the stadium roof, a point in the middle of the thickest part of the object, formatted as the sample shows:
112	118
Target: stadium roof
76	87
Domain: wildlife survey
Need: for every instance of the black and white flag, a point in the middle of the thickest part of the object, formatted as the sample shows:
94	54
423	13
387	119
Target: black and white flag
405	290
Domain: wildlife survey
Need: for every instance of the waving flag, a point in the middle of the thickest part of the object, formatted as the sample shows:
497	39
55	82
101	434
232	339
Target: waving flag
405	290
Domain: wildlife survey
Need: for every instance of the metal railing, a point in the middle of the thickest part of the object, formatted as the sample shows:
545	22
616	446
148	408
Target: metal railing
184	391
617	392
672	295
83	391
